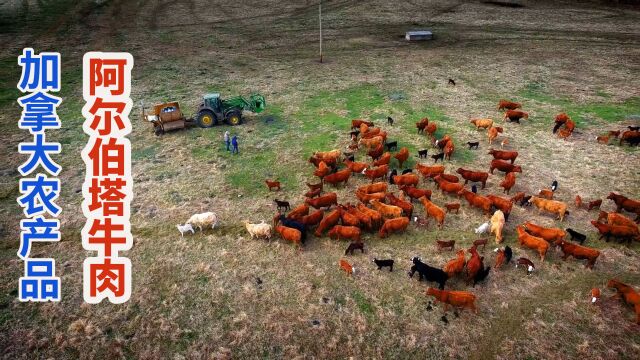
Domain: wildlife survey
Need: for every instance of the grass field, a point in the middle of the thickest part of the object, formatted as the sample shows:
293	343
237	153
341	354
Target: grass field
197	296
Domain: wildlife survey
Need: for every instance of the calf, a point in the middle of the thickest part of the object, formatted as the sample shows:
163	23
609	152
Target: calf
446	244
437	157
576	236
353	247
481	275
473	145
452	206
317	186
384	263
428	273
185	228
390	120
526	262
595	295
503	256
422	153
282	205
462	299
313	193
348	268
628	294
451	82
477	243
578	252
273	184
483	228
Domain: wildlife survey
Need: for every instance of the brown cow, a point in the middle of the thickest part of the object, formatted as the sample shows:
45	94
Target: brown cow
628	294
504	166
551	235
432	210
509	105
476	200
504	155
578	252
345	232
406	179
532	242
373	188
552	206
325	200
328	222
393	225
402	156
290	234
406	206
383	160
338	177
473	176
379	172
414	193
508	182
448	187
458	299
387	211
430	171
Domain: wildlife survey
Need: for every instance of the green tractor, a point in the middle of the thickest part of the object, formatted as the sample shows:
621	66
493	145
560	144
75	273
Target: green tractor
215	110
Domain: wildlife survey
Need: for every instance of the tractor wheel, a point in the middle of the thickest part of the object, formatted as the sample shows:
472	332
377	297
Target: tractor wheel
234	117
206	119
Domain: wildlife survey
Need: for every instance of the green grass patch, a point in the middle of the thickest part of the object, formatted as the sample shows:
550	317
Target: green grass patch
145	153
363	303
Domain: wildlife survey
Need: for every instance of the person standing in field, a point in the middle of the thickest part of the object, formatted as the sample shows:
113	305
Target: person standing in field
227	141
234	143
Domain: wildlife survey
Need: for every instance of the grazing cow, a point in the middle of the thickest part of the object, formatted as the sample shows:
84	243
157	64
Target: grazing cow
457	299
493	132
430	171
628	294
356	123
298	212
623	202
441	143
348	268
368	133
406	206
320	185
282	205
603	139
550	235
482	123
448	150
449	177
322	170
345	232
503	143
373	188
560	120
406	179
595	204
578	201
431	128
387	211
432	210
452	206
383	263
473	145
614	218
446	244
390	120
578	252
473	176
363	219
379	172
633	128
385	159
476	200
327	222
451	82
414	193
370	143
532	242
402	156
508	182
521	198
327	155
273	184
552	206
515	115
479	242
393	225
294	224
474	264
323	201
366	198
448	187
576	236
503	256
509	105
631	137
504	166
312	219
422	124
423	153
504	155
376	217
455	266
501	204
376	153
313	193
353	246
617	231
437	157
338	177
497	224
481	275
290	234
428	273
526	262
356	167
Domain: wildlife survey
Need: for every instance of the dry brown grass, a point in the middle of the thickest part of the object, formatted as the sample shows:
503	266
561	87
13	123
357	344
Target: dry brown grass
197	297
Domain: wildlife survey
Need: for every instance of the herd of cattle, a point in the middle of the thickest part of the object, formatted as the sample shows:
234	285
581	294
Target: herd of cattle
380	209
